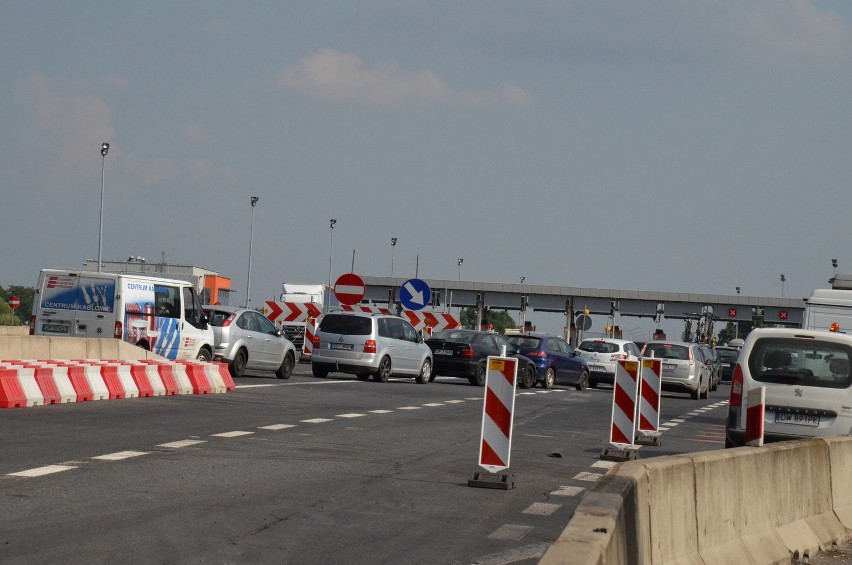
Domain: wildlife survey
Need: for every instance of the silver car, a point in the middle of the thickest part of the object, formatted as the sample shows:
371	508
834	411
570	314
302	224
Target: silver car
246	339
366	344
684	367
602	355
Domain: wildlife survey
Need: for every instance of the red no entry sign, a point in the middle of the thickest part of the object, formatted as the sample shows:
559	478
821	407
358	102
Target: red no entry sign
14	302
349	289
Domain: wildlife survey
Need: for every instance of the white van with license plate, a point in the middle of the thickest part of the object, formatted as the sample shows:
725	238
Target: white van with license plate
807	380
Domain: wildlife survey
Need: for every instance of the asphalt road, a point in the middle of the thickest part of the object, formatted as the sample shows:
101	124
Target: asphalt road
309	471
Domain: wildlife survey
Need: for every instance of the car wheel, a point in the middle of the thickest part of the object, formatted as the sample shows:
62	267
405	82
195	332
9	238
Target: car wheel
528	379
696	394
479	378
549	379
583	383
383	373
204	356
319	372
286	368
425	375
706	392
238	365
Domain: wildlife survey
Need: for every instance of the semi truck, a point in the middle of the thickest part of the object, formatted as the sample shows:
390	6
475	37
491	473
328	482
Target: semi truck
295	304
160	315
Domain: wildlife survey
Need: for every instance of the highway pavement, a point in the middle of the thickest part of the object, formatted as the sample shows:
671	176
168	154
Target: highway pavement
309	471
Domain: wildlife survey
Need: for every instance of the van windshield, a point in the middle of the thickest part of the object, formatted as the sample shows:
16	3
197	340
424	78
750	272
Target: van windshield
346	325
802	362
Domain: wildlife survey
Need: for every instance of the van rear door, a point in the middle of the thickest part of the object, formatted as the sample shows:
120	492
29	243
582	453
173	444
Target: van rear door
95	312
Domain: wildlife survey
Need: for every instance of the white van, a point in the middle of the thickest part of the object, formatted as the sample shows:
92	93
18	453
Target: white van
161	315
829	309
808	384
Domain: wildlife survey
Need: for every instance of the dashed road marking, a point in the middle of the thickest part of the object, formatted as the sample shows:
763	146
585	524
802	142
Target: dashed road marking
119	455
604	464
408	408
182	443
381	411
525	553
542	508
567	491
277	427
41	471
510	532
588	477
352	415
316	421
235	433
434	404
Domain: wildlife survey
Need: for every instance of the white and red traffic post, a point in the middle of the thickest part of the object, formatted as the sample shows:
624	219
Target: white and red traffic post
755	410
495	445
649	402
622	434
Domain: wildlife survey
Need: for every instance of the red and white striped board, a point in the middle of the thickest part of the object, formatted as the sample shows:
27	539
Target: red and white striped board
308	341
495	446
365	308
623	428
436	321
290	312
755	410
649	401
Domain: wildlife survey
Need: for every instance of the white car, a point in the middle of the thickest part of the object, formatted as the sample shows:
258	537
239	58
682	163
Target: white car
246	339
602	355
806	375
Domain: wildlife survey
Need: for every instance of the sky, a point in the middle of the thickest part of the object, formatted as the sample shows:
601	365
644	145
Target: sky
659	145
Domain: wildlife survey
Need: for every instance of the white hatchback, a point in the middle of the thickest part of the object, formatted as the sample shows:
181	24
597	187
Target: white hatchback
603	354
807	380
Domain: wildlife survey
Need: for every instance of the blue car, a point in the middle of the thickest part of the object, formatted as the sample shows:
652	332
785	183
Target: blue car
555	360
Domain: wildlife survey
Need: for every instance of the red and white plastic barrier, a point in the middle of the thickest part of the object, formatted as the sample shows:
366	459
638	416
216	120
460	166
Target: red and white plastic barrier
495	446
649	397
755	410
308	341
623	429
365	308
435	321
33	383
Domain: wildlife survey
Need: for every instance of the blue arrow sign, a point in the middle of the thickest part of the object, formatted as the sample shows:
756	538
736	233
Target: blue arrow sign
415	294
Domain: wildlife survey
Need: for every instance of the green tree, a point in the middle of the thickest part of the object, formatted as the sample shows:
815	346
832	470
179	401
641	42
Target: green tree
500	319
16	318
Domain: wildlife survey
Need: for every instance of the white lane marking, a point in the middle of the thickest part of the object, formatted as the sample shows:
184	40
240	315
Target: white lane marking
677	420
454	401
668	425
235	433
604	464
589	477
277	427
41	471
256	386
513	555
119	455
542	508
182	443
433	404
568	491
316	421
527	393
381	411
475	398
510	532
349	415
408	408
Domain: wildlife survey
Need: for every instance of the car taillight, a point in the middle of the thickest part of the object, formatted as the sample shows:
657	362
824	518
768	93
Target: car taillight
618	357
32	325
315	341
536	354
227	322
467	353
119	331
691	358
370	346
736	398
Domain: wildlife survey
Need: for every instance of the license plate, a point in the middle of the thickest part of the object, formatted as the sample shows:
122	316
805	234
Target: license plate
669	366
343	346
55	328
597	368
443	352
798	419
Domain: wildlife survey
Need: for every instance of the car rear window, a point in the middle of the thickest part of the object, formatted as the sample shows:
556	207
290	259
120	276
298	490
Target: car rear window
727	355
523	341
598	347
667	351
346	325
801	362
452	335
217	317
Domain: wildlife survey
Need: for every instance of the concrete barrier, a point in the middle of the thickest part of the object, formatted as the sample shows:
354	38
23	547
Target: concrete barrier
747	505
14	330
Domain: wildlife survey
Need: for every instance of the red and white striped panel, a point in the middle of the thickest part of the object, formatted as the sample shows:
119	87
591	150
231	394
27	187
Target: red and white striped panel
755	410
366	308
308	339
623	429
290	312
649	396
495	446
437	321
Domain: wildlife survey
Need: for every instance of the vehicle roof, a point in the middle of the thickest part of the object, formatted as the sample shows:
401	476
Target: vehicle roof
763	333
670	342
362	314
223	308
608	340
105	274
534	334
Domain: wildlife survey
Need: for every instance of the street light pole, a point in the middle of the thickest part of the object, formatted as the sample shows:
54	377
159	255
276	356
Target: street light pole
393	247
330	255
104	151
254	200
783	278
460	264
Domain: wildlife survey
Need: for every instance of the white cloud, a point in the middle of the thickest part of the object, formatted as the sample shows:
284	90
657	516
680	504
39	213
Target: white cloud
344	77
195	133
157	170
204	171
